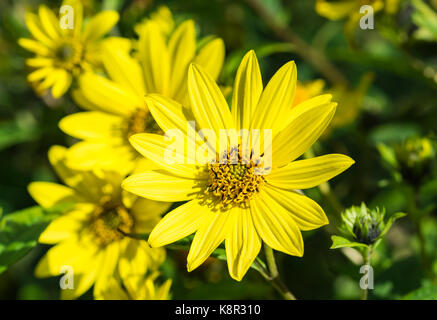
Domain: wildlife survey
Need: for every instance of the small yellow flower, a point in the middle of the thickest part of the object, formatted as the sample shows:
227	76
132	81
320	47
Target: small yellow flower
307	90
228	201
61	53
350	10
137	288
91	237
119	110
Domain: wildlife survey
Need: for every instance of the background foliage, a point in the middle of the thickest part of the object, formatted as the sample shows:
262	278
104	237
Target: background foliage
390	95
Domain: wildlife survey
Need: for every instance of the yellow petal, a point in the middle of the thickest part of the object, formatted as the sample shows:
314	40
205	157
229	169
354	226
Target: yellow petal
167	113
48	194
304	174
276	226
35	27
164	291
51	78
86	155
81	101
208	237
178	223
40	74
276	99
211	57
209	107
62	84
155	58
120	43
171	115
242	243
108	95
182	47
34	46
247	90
123	69
77	16
154	147
307	214
162	187
137	258
91	125
99	25
147	213
92	185
49	22
308	122
74	253
337	9
39	62
66	226
82	281
108	266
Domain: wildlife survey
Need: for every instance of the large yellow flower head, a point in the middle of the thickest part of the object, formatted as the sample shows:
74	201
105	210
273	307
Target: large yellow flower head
242	200
160	66
92	237
61	53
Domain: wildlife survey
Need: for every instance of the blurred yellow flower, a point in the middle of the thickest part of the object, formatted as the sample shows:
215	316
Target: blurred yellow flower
137	288
350	10
350	100
307	90
62	53
91	237
118	105
230	202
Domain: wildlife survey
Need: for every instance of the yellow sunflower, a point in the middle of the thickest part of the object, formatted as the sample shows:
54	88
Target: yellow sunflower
91	237
61	53
231	201
137	288
117	102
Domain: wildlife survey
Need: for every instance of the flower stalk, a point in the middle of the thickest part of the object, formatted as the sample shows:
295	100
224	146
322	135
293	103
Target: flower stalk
274	277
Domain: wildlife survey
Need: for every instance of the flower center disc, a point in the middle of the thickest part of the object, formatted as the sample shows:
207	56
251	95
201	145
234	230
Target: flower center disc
141	121
68	54
235	182
110	223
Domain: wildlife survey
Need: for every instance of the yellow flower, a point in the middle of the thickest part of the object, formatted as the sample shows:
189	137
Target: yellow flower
62	53
118	103
350	10
137	288
229	201
91	237
305	91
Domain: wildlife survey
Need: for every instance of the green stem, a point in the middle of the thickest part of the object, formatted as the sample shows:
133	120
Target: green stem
367	256
307	52
415	215
274	275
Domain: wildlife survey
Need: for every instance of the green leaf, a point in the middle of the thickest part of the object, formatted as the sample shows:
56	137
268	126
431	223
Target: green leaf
19	231
388	154
340	242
